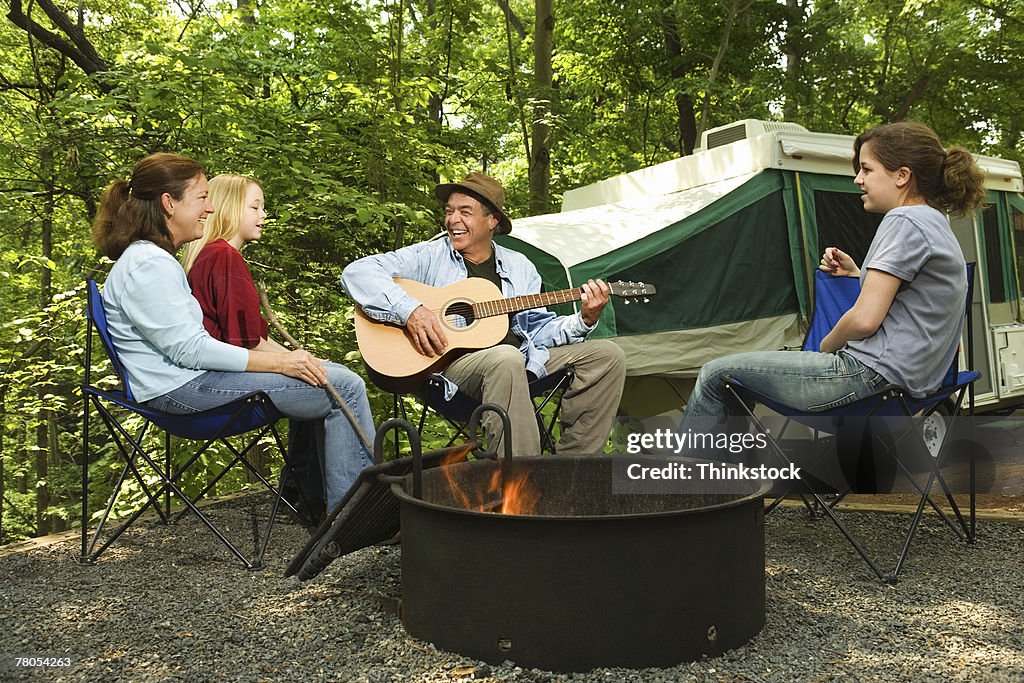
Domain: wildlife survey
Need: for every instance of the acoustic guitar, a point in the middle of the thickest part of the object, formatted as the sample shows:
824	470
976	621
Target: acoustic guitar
474	315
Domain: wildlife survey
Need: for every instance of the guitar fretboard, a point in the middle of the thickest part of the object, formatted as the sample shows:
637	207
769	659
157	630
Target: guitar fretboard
487	309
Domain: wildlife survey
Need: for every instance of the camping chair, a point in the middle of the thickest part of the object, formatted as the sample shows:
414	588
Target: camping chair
456	409
904	424
253	413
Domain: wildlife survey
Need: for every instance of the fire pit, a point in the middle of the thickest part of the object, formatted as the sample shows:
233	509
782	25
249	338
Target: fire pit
588	578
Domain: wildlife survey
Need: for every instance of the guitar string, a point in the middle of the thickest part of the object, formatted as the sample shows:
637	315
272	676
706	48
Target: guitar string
486	309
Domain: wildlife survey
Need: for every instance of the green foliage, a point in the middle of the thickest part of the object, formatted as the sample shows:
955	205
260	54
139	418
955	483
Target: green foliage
349	113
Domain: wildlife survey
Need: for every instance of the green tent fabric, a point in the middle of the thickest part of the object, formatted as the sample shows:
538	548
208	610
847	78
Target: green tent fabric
730	236
720	255
753	244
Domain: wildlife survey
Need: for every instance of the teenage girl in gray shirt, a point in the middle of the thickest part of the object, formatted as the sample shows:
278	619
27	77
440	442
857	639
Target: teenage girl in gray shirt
906	323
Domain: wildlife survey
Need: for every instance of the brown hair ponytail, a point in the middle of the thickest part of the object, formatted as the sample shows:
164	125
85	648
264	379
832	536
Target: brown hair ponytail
132	210
951	181
964	182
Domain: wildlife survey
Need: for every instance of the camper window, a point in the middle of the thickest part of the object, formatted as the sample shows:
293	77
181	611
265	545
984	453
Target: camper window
993	255
843	222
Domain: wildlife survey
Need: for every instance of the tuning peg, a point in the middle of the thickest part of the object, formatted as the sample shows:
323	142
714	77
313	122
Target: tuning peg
646	300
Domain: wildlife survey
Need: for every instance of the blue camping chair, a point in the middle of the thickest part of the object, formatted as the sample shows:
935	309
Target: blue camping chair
253	414
458	408
906	424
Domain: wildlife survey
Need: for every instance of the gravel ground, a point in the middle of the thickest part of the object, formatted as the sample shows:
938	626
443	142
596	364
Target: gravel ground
169	604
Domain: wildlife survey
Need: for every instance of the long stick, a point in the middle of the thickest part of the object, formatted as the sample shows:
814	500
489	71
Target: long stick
269	312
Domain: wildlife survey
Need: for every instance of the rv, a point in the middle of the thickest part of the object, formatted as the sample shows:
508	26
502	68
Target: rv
730	237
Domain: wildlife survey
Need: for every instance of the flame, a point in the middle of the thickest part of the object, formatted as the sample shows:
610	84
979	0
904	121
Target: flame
457	455
518	497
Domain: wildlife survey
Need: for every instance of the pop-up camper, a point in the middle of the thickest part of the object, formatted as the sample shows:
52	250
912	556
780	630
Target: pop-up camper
731	235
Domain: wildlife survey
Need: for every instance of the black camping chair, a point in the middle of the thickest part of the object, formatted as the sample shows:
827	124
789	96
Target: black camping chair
435	395
905	427
253	414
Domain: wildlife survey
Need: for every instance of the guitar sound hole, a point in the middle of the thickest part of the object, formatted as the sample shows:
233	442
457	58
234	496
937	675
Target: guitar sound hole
459	314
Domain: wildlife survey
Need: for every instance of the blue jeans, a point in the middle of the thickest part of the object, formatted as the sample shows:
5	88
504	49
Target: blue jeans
345	455
808	380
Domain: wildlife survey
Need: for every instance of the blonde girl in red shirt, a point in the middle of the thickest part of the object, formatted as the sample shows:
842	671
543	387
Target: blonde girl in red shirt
220	280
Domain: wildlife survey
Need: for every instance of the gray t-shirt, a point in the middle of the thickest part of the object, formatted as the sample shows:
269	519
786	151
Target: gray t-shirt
918	338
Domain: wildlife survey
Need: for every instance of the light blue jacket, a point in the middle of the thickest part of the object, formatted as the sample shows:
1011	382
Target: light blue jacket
369	281
157	325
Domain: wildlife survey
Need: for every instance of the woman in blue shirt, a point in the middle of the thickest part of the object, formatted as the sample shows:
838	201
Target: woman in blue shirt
156	325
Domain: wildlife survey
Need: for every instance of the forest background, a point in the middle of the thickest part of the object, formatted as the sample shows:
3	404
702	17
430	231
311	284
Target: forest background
350	112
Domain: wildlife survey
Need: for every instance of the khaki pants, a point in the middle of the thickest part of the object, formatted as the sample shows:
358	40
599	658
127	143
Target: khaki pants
498	375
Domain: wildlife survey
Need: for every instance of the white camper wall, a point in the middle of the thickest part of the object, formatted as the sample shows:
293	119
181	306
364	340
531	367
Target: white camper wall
789	150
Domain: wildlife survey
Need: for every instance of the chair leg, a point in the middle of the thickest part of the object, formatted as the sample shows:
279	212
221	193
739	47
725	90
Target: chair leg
168	486
963	528
398	410
167	469
914	522
260	546
831	514
963	532
258	561
84	556
117	432
972	537
822	505
547	439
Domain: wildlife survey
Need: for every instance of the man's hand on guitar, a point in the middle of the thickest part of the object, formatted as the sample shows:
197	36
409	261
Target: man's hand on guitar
426	332
593	297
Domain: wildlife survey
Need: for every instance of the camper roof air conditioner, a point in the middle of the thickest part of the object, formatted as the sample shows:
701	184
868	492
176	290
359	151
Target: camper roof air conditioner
744	130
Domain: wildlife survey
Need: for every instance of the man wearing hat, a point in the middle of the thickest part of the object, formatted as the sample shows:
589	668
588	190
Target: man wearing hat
538	341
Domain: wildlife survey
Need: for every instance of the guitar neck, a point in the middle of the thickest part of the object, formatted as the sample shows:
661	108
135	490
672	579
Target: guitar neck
487	309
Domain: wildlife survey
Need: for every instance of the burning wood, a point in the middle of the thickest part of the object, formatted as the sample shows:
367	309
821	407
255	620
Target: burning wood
512	497
517	496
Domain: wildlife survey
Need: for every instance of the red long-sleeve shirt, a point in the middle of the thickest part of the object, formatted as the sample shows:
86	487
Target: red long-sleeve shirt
223	286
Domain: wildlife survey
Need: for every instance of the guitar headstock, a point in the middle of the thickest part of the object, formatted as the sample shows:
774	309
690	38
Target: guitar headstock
632	291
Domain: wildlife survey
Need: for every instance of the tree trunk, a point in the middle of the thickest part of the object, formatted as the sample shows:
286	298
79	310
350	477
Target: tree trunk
512	91
245	12
543	78
1010	140
396	30
76	47
247	15
686	119
57	522
912	97
3	487
716	64
42	472
43	441
21	482
435	103
794	22
511	18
